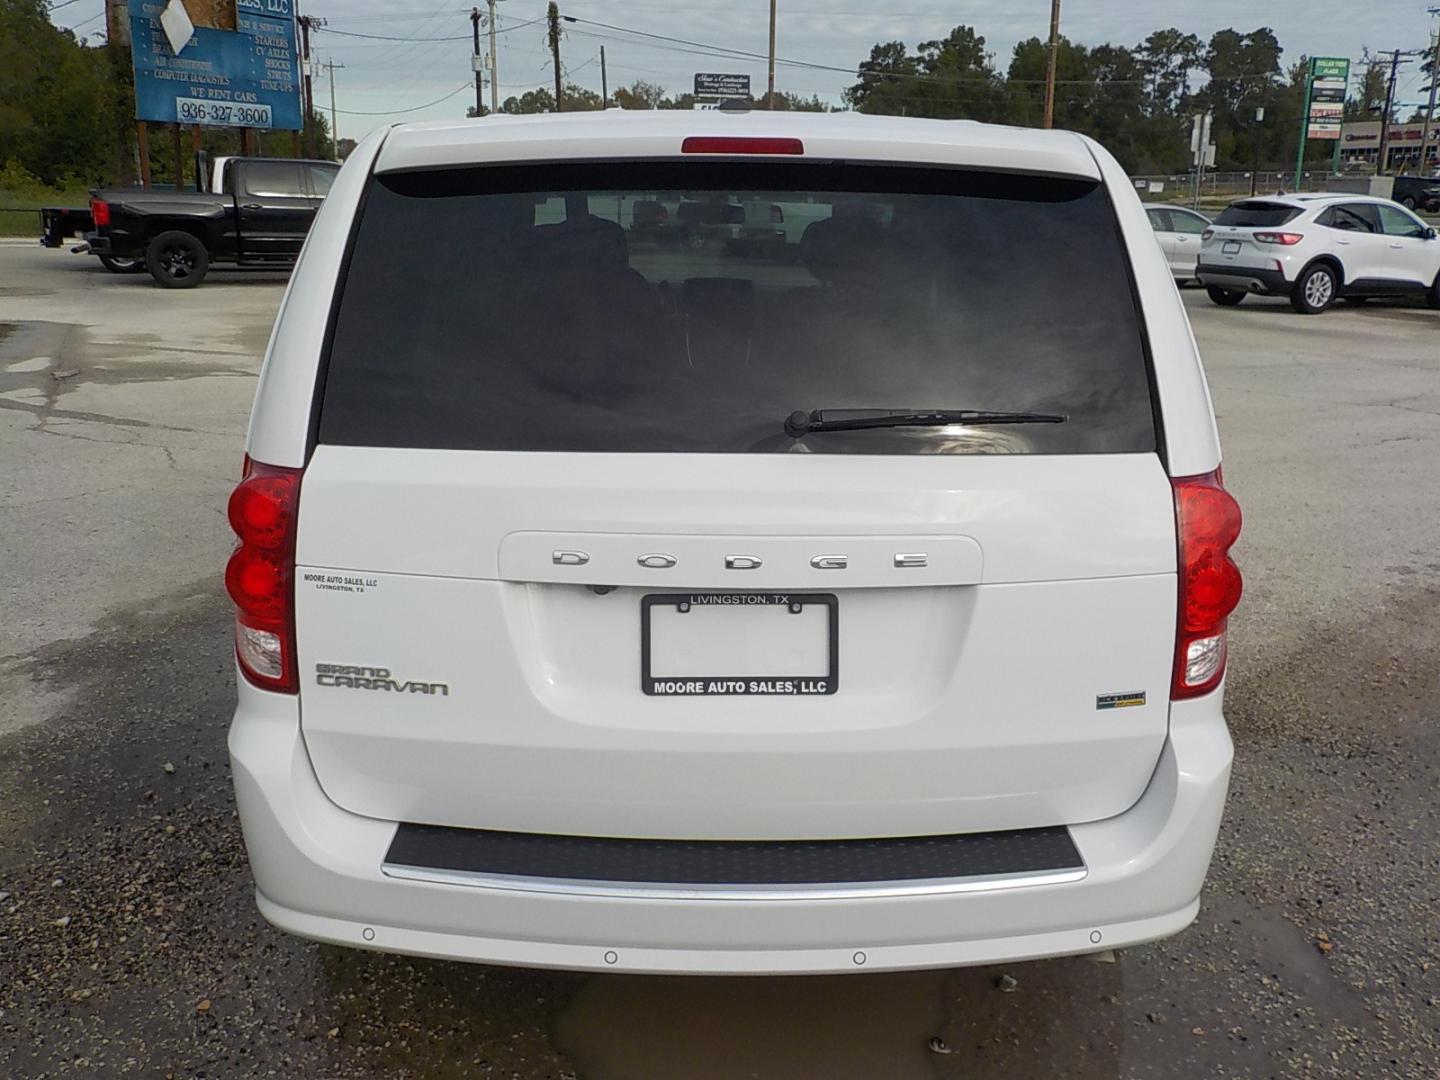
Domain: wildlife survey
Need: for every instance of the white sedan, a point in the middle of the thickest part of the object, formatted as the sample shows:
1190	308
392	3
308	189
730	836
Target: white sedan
1178	231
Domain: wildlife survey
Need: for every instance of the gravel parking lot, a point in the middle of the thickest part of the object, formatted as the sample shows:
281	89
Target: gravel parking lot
129	943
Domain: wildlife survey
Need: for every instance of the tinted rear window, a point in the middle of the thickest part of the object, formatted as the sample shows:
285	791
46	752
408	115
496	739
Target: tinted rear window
692	306
1258	214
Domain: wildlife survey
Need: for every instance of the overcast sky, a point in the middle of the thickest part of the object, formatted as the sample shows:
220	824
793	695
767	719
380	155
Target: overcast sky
385	80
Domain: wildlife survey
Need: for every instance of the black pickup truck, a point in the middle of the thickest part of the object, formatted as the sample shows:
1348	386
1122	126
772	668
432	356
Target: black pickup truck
257	214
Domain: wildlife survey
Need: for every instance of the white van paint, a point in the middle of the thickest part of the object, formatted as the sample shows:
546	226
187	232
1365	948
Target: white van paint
971	681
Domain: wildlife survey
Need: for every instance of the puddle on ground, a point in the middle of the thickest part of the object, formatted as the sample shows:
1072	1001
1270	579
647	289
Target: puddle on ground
640	1027
1057	1018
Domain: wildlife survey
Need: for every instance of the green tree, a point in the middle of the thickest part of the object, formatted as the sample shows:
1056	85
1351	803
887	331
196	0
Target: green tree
885	79
950	77
541	100
1368	100
1026	77
640	95
56	115
1166	59
1245	74
788	102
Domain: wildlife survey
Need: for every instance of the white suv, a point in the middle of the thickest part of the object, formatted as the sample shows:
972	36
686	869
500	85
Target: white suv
609	602
1316	249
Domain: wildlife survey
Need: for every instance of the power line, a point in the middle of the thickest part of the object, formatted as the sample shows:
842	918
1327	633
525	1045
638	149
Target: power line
466	85
391	37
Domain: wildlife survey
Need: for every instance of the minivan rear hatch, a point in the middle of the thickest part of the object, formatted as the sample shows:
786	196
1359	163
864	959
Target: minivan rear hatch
563	569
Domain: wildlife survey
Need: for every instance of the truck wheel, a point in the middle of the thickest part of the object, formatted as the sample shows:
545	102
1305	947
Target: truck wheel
1224	297
177	260
1408	202
1315	291
122	266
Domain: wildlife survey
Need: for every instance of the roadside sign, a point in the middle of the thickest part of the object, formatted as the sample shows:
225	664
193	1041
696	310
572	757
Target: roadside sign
1320	116
714	85
1325	96
237	67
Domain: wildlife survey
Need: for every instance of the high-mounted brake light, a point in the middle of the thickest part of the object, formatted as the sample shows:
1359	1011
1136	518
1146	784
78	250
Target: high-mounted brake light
731	144
1289	239
260	576
1207	521
100	213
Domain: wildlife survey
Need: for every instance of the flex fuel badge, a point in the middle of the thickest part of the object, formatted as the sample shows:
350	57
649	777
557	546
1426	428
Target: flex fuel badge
1120	701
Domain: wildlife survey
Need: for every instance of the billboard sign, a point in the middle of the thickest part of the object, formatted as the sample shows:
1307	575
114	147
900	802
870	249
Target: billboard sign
238	68
1329	76
712	86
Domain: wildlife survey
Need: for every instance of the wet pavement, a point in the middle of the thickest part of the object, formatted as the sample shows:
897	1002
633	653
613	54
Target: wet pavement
129	942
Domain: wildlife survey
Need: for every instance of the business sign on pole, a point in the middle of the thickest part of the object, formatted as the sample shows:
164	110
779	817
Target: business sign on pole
712	86
236	67
1329	77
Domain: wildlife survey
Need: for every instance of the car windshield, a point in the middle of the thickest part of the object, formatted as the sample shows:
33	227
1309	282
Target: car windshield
693	306
1258	214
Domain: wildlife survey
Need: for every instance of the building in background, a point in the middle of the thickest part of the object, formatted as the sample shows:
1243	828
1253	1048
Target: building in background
1360	146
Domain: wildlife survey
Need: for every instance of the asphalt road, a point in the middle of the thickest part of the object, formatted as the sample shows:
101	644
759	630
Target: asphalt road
129	944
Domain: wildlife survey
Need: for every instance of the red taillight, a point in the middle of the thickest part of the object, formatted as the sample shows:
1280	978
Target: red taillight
777	216
1289	239
1207	522
1207	234
730	144
100	213
260	576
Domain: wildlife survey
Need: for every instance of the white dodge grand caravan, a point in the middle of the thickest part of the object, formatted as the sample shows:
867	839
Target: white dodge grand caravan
628	580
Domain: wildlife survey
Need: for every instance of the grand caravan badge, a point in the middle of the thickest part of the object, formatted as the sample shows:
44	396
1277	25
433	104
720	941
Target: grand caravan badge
357	677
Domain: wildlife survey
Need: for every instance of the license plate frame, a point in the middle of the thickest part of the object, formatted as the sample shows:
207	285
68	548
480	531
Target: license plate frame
1230	247
739	684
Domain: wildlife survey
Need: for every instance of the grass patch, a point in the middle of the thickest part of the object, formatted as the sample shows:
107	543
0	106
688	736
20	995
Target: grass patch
20	209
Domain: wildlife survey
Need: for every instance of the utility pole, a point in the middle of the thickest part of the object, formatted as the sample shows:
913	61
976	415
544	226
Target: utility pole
1054	57
770	85
552	16
117	50
494	64
1430	109
308	23
604	82
1382	164
475	62
330	67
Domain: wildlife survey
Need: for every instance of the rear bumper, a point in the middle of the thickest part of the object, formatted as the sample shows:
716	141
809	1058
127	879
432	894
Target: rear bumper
1244	278
318	874
118	242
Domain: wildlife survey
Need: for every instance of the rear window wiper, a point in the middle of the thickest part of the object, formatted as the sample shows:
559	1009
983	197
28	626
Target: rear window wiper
801	423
